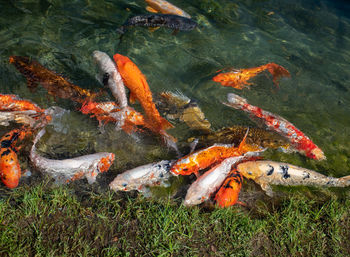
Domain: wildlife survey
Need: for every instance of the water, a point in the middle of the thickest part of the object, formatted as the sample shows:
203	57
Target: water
310	38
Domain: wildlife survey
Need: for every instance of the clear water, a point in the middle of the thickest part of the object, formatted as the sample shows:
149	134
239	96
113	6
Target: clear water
310	38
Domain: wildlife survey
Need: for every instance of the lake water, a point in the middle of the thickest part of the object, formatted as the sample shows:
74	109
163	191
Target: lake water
309	38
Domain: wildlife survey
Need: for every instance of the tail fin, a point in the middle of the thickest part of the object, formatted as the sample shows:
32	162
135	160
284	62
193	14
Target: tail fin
345	181
277	72
235	101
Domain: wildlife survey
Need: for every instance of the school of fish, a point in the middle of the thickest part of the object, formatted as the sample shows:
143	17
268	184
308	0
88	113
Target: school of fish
218	159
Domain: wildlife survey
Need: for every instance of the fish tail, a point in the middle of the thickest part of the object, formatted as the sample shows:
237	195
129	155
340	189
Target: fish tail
277	72
235	101
165	124
344	181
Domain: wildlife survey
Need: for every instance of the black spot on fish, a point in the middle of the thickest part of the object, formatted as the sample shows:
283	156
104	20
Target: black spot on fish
8	151
7	143
105	79
161	175
284	169
306	175
227	185
270	171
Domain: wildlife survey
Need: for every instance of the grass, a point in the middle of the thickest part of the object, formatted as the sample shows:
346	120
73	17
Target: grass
45	220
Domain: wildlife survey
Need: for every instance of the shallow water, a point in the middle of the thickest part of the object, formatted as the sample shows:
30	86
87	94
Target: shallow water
309	38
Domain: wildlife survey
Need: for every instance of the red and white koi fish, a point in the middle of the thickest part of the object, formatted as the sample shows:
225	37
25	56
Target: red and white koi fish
128	119
267	173
153	174
111	77
13	108
239	78
211	180
165	7
274	122
64	171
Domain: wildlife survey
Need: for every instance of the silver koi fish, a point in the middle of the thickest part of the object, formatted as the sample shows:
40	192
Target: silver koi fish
64	171
266	173
138	178
110	77
211	180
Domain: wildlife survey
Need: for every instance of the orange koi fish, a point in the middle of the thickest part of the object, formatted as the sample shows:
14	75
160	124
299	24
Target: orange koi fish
165	7
110	112
138	86
229	191
56	85
239	78
14	103
10	170
139	90
216	153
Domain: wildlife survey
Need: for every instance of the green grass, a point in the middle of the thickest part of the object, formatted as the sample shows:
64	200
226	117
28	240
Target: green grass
45	220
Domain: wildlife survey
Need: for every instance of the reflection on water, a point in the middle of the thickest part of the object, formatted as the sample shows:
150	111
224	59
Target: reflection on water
310	38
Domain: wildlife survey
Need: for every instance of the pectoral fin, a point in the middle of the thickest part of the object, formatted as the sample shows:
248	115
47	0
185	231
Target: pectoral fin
267	188
150	9
153	29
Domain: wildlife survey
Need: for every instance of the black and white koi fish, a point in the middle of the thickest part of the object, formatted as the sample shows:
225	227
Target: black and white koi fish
170	21
267	173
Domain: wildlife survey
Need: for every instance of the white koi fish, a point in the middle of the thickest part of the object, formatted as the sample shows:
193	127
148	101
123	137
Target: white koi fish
64	171
110	77
211	180
138	178
266	173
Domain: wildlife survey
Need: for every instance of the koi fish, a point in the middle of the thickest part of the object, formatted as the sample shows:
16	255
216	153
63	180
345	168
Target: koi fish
139	90
211	180
170	21
111	77
239	78
65	171
10	170
128	119
13	108
165	7
235	134
186	110
229	191
138	178
204	158
274	122
56	85
266	173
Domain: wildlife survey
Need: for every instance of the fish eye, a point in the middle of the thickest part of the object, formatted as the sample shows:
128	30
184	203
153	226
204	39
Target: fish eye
124	184
250	173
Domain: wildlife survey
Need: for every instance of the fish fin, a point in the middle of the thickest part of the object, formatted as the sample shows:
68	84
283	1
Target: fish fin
165	124
153	29
150	9
193	145
132	98
277	72
175	32
267	188
241	203
243	142
145	191
345	180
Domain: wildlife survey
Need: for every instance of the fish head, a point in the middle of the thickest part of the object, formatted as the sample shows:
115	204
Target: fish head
106	162
122	183
10	170
121	60
194	196
249	170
